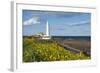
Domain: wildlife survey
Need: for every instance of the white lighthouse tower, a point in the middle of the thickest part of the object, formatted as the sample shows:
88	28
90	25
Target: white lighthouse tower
47	29
47	35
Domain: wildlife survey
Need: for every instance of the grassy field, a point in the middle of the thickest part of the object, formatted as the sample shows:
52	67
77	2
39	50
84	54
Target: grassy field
36	50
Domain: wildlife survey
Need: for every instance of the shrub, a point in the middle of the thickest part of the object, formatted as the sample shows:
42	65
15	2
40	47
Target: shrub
35	50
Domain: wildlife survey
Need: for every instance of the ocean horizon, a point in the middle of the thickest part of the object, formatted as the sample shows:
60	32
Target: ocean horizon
68	37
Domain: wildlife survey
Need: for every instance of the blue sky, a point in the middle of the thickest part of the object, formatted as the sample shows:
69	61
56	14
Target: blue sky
61	23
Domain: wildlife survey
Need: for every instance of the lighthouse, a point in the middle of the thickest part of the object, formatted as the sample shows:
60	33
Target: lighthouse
47	33
47	29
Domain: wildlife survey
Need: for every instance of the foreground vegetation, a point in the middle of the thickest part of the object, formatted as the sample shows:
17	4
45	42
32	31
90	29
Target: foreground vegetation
36	50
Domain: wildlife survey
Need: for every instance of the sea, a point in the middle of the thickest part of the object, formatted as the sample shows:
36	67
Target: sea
88	38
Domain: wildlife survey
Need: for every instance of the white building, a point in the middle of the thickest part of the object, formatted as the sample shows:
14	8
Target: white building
47	35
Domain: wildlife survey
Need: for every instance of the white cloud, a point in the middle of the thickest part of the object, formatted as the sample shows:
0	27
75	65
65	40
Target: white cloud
33	20
79	23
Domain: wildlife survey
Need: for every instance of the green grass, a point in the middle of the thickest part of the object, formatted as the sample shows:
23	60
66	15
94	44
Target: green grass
35	50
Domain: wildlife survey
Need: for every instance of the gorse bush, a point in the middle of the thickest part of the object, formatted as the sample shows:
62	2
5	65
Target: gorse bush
35	50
